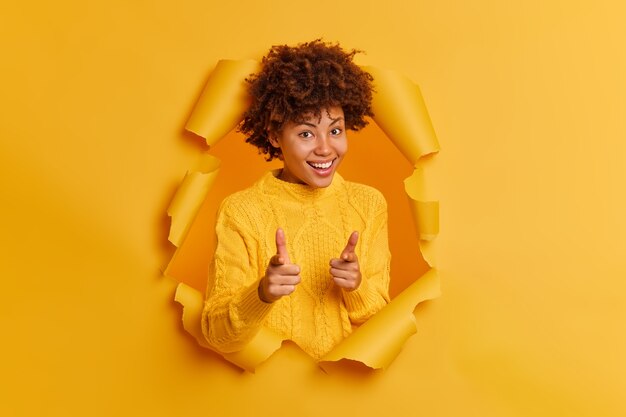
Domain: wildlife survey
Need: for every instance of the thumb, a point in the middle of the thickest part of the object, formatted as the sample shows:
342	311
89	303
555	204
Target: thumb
281	245
348	252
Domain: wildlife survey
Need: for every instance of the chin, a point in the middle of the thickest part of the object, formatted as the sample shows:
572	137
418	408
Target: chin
321	183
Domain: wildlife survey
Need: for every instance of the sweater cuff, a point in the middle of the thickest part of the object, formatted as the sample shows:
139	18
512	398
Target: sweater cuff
252	309
361	299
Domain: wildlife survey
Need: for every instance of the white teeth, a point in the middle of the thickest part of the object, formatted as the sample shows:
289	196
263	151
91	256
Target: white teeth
321	166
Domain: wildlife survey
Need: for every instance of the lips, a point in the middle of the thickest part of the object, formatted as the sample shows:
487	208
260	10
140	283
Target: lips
323	169
321	165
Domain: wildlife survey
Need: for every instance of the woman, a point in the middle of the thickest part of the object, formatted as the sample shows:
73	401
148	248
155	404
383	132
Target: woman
302	252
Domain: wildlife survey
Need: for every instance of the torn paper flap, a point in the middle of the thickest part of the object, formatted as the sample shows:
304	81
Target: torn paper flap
261	347
426	216
223	101
428	248
401	113
422	184
189	197
425	213
379	340
193	303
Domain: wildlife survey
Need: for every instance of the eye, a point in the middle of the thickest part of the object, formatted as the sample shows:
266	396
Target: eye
336	131
306	134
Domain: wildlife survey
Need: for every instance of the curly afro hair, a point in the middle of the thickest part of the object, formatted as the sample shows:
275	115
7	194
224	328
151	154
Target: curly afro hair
300	80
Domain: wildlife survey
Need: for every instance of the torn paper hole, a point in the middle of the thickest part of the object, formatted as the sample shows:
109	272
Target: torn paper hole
401	113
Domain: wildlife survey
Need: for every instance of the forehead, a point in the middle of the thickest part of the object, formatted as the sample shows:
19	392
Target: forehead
328	115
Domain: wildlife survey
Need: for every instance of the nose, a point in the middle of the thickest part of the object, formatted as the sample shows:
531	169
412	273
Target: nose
323	146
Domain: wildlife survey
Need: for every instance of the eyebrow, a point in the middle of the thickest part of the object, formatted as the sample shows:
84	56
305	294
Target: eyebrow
303	122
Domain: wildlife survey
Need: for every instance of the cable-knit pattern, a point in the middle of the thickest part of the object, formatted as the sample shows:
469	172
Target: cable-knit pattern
317	224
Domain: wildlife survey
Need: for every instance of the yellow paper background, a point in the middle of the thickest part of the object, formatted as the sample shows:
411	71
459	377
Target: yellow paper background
528	102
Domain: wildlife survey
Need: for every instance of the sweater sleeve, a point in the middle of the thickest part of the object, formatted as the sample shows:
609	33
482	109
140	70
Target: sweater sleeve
233	312
373	293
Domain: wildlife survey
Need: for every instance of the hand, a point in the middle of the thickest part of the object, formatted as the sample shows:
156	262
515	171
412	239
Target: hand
281	276
345	270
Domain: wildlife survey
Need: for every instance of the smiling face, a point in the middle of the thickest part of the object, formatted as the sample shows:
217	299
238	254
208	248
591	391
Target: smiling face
312	148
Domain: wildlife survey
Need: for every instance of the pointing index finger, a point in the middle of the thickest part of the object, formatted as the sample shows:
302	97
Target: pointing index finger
348	252
281	245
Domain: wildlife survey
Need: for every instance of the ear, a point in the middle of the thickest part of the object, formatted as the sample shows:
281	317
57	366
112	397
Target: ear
273	138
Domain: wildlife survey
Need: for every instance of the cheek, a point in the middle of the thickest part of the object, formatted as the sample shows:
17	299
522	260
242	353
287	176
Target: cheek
342	147
294	156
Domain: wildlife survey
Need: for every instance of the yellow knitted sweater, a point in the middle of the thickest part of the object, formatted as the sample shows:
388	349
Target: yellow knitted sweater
317	224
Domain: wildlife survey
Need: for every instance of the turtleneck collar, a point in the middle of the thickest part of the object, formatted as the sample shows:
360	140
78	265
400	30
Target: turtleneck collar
274	186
